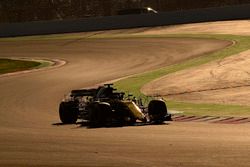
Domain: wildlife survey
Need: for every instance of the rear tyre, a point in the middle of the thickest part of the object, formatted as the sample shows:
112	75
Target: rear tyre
68	112
122	114
100	115
131	120
157	111
105	114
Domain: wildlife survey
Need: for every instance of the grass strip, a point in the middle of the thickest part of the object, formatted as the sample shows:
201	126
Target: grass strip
202	109
9	65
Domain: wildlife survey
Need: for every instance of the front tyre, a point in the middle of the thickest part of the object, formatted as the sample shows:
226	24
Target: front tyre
68	112
157	111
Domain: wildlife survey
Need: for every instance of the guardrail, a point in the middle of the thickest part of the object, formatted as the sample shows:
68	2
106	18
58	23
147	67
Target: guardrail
125	21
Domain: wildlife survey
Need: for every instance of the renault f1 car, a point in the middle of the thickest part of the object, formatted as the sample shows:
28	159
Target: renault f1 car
104	106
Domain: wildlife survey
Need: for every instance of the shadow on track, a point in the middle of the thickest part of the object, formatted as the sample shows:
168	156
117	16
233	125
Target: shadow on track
84	124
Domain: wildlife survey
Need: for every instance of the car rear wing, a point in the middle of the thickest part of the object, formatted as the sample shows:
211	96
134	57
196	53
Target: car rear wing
83	92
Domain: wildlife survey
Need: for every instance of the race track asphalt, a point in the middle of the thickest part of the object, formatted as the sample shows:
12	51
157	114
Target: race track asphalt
31	136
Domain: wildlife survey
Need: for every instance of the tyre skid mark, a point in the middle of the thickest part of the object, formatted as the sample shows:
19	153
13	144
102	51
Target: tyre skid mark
206	90
184	118
240	121
197	119
211	119
224	120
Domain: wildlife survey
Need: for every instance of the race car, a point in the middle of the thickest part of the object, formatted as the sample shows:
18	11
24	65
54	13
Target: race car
104	106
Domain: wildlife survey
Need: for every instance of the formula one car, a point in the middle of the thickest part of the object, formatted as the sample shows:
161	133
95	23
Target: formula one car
104	106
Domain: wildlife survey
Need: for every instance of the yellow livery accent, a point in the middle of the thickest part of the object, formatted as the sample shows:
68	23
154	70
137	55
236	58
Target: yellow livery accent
135	110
